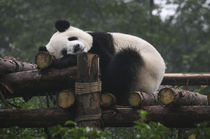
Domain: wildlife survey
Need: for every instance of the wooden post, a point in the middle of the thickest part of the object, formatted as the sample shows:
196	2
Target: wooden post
87	90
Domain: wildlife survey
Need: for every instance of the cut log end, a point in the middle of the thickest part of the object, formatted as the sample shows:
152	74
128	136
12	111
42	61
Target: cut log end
208	97
43	60
134	99
166	96
66	99
107	100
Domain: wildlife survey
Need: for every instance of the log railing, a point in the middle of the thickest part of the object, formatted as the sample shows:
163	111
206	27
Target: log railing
184	117
171	107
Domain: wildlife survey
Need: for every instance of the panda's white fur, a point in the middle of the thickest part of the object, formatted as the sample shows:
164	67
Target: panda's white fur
59	41
150	73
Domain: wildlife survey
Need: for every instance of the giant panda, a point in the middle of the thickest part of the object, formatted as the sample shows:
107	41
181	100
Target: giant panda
127	63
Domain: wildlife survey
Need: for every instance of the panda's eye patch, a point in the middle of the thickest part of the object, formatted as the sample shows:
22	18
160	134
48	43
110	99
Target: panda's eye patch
72	38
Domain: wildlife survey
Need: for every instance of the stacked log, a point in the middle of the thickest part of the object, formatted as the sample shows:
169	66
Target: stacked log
177	97
10	64
184	117
21	79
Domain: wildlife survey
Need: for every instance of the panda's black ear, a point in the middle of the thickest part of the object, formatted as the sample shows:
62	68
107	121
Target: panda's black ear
62	25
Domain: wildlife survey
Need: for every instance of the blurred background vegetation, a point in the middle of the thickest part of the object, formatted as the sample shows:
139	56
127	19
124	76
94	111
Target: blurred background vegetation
182	38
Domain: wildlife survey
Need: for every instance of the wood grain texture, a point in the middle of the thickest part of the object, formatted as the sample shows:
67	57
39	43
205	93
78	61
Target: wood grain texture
88	111
176	97
182	117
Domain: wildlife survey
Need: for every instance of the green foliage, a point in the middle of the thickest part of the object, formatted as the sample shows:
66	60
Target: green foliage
76	132
182	39
33	103
150	130
22	133
202	131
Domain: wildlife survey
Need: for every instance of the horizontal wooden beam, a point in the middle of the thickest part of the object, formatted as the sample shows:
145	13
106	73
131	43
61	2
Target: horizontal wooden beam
175	97
10	64
37	83
33	117
186	79
183	117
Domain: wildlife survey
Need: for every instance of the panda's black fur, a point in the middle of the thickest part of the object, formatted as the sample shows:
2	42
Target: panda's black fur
119	70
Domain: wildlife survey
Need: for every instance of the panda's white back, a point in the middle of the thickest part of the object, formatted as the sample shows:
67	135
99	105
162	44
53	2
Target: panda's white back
151	74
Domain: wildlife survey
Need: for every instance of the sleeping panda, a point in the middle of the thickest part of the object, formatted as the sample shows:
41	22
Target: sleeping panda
127	63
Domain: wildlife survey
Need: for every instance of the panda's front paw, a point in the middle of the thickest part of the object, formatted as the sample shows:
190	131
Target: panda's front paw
66	61
42	48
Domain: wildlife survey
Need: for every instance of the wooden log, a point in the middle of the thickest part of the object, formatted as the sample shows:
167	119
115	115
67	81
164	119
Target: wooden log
87	90
9	65
44	60
183	117
176	97
186	79
108	100
33	117
208	97
65	99
35	83
138	99
21	83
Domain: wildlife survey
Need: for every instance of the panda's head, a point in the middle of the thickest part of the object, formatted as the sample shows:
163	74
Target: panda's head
68	40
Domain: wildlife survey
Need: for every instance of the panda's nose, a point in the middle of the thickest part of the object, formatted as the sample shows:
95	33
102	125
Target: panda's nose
77	48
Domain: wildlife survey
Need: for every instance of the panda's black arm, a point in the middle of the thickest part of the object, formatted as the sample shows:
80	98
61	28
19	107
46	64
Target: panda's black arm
68	60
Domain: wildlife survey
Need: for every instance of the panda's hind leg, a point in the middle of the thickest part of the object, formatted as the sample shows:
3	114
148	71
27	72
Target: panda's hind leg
121	74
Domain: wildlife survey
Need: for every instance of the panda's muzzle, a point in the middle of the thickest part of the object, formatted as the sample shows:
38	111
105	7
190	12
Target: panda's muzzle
77	48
